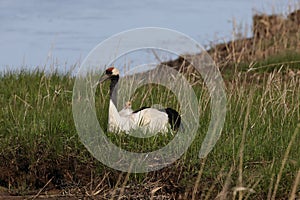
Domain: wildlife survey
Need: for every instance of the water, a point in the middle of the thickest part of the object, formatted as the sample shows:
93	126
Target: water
40	33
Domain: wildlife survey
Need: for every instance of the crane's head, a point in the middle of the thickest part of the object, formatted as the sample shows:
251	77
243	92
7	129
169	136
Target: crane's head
110	73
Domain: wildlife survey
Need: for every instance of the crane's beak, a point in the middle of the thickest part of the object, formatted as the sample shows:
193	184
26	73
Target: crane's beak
101	80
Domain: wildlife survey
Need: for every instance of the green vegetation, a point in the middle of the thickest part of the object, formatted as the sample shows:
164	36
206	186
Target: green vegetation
257	155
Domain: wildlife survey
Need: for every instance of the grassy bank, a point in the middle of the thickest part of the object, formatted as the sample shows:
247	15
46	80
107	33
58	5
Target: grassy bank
256	157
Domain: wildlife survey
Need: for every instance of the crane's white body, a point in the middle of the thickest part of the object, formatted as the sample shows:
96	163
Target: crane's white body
126	110
149	119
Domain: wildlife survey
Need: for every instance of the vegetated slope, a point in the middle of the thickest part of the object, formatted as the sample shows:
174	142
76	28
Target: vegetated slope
40	148
275	41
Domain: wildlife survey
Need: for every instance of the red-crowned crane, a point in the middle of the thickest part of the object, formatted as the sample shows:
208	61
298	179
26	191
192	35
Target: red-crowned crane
150	119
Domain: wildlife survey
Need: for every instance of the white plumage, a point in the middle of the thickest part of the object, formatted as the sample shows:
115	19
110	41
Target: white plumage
150	119
126	110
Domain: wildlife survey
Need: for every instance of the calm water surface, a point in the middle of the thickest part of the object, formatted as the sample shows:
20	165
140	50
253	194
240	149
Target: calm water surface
39	32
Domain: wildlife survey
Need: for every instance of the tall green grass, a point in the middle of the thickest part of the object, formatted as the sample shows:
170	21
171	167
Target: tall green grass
256	157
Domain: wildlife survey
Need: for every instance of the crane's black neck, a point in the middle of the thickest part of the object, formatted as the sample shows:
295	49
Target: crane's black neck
113	92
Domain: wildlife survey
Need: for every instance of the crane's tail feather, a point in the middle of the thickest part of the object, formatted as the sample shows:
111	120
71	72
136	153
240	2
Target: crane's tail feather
174	118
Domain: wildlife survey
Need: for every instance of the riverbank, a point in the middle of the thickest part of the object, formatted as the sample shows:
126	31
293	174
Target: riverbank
256	157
